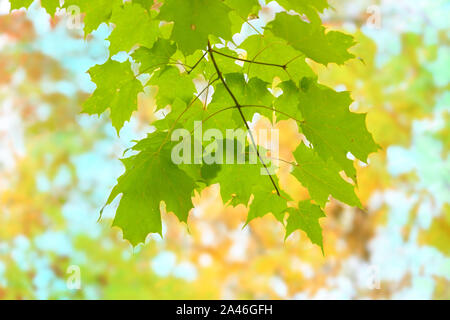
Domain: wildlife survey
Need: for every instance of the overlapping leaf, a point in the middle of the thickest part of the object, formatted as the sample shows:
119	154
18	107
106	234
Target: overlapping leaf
287	62
311	8
133	26
332	128
194	20
322	178
97	12
155	57
117	89
306	218
150	177
312	39
49	5
254	92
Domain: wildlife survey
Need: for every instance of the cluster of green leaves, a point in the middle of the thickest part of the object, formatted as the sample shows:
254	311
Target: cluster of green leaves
179	44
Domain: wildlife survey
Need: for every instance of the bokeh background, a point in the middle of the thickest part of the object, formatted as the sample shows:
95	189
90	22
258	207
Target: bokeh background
57	167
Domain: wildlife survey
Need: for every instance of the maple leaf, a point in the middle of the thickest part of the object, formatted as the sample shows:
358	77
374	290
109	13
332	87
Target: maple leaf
267	201
117	89
308	7
133	26
97	12
171	85
250	179
244	7
253	92
312	39
50	6
156	57
332	128
17	4
288	101
322	178
150	177
306	218
192	22
146	4
288	62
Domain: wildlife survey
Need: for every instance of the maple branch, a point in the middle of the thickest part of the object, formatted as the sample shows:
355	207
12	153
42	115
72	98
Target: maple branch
219	73
251	61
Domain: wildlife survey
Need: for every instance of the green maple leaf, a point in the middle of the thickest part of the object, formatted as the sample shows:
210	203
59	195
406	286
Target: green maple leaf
50	6
171	85
217	116
322	178
195	20
306	218
332	128
156	57
312	39
242	10
244	7
17	4
249	178
267	201
227	65
254	92
308	7
299	5
133	26
146	4
97	12
245	178
117	89
288	102
150	177
269	49
181	115
229	152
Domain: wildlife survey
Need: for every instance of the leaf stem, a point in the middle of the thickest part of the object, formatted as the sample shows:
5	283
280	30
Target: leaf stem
273	109
252	106
197	63
283	66
184	111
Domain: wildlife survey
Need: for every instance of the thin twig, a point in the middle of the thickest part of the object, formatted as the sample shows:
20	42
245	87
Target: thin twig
197	63
251	61
295	164
273	109
184	111
252	106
